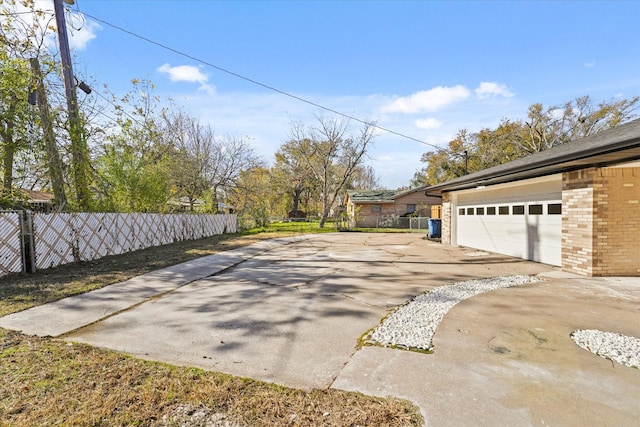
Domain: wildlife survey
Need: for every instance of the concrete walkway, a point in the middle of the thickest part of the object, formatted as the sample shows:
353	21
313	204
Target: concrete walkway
291	311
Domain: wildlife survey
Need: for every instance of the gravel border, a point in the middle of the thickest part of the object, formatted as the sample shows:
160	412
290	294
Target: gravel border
413	325
619	348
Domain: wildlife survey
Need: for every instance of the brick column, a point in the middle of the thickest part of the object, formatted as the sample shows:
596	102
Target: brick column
445	225
577	221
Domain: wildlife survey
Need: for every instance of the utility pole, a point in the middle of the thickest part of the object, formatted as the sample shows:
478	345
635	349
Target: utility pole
466	162
79	152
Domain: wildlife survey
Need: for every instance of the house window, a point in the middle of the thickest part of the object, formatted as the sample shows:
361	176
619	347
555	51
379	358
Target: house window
554	208
461	211
479	211
376	208
469	211
503	210
518	210
491	210
411	208
535	209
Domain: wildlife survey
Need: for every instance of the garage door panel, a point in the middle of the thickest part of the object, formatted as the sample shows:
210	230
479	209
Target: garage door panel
532	237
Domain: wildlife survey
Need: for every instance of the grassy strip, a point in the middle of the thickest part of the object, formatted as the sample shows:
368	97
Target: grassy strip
49	382
46	381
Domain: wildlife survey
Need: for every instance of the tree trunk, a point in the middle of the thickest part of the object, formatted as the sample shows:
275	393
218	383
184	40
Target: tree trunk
53	156
8	152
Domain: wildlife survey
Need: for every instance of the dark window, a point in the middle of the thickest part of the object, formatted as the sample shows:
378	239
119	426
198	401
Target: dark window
517	210
461	211
376	208
535	209
479	211
491	210
469	211
554	208
503	210
411	208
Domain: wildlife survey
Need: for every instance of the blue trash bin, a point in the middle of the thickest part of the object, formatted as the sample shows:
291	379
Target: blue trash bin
434	227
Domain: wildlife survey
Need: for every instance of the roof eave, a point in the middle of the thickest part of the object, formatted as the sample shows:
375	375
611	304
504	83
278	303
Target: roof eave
623	151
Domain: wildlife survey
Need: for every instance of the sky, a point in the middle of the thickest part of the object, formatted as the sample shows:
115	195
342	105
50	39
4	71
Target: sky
424	69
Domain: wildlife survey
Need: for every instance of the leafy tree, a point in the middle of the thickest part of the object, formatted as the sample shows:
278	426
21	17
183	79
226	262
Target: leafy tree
291	175
547	127
444	165
543	129
252	196
14	114
132	165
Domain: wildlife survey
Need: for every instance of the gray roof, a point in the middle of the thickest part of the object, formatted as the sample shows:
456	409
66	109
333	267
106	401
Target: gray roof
617	145
372	196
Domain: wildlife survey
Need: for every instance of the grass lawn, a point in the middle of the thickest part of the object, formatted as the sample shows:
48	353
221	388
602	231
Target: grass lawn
46	381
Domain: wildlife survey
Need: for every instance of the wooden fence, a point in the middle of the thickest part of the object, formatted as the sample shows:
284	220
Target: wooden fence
50	240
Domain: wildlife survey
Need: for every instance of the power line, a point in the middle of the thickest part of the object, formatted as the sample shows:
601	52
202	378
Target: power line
255	82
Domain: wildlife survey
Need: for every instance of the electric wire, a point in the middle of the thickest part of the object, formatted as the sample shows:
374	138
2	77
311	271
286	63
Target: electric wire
257	83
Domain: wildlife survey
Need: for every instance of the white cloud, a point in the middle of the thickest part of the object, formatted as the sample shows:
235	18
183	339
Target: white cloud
184	73
492	89
188	73
80	34
590	64
428	123
427	100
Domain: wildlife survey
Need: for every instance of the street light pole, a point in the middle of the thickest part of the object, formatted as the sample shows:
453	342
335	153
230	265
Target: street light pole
76	132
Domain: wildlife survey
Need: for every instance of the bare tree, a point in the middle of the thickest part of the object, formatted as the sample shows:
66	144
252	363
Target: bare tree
332	154
205	165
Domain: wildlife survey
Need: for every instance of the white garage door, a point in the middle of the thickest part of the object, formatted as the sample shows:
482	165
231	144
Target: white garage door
523	220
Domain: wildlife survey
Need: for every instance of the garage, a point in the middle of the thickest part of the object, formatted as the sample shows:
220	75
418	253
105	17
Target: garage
574	205
522	219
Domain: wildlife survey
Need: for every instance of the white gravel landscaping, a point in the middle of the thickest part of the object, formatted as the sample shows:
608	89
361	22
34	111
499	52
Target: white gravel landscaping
413	325
620	348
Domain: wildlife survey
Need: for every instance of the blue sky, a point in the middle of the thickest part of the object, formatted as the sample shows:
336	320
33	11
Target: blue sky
424	69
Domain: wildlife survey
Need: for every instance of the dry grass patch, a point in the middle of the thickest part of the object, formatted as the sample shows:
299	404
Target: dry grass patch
45	381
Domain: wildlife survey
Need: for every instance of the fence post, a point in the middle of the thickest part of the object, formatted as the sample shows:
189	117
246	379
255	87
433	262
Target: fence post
26	242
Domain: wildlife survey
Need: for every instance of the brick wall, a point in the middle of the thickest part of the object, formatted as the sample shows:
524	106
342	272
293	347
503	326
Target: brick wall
601	222
616	224
445	225
577	221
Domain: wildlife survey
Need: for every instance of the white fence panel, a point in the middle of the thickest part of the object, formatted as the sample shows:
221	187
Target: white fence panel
10	246
61	238
54	239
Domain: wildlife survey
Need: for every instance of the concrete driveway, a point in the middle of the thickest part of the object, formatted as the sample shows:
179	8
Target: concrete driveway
291	311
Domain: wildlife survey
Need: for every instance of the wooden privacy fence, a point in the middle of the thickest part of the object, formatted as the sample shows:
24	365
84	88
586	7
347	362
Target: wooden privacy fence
50	240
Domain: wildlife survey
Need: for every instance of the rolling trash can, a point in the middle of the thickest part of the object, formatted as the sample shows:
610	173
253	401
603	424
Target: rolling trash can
434	228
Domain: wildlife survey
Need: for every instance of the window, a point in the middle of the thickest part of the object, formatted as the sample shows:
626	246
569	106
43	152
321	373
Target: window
554	208
461	211
491	210
469	211
376	208
517	210
411	208
479	211
503	210
535	209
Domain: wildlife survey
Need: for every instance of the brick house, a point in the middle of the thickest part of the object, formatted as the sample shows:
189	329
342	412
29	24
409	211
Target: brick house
576	205
367	208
